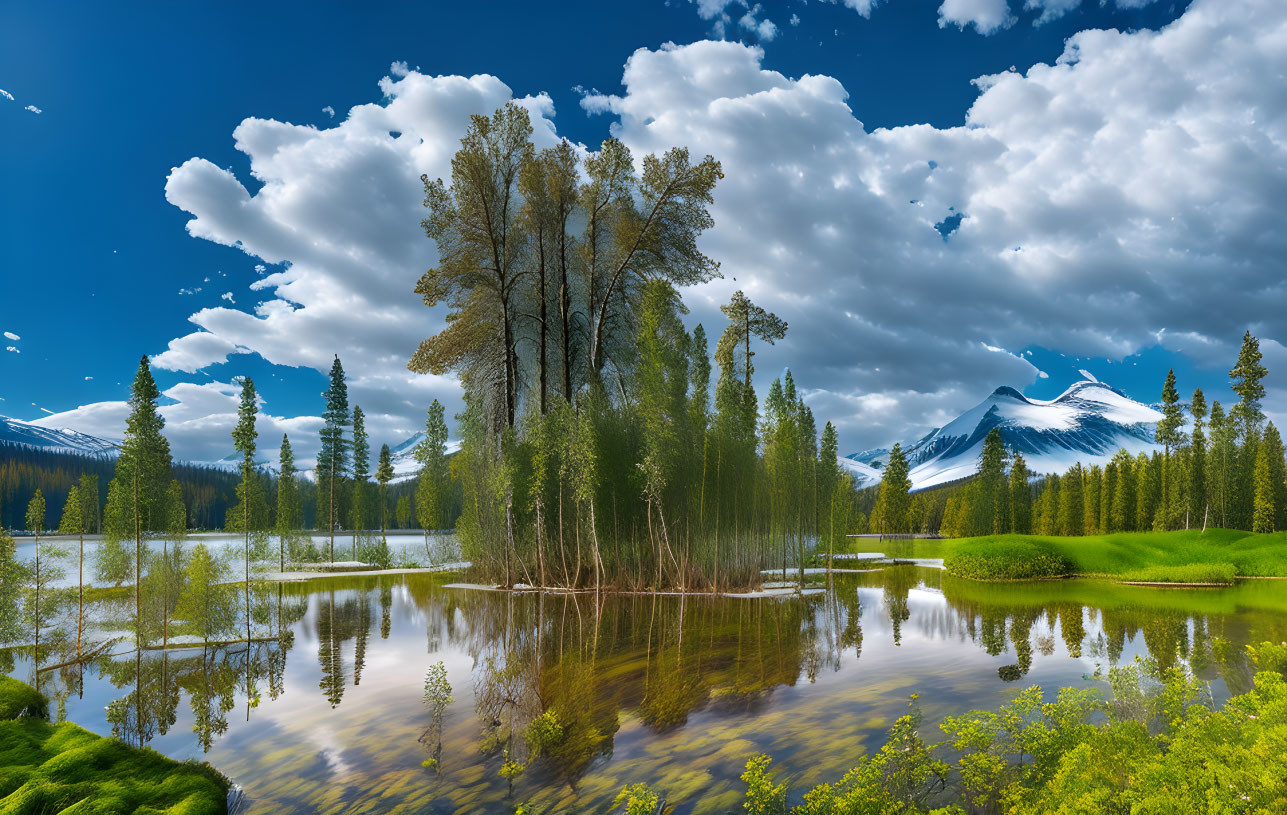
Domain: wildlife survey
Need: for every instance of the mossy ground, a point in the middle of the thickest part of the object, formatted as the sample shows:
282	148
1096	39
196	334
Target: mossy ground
63	768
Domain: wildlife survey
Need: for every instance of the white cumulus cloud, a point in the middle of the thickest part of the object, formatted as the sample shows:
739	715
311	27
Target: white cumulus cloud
9	335
1140	176
987	16
33	109
6	94
329	111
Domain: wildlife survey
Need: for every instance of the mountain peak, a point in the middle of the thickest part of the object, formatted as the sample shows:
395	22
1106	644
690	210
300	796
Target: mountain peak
1088	423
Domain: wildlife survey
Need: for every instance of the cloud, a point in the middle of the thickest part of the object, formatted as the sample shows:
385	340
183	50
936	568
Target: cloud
199	420
720	14
1140	174
987	16
1051	9
33	109
227	296
6	94
795	19
330	111
399	68
12	349
9	335
863	7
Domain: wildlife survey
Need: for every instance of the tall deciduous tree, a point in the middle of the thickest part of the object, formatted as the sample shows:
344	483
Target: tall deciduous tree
477	226
333	458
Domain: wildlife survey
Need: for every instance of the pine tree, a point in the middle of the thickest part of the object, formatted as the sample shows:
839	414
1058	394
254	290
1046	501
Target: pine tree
383	475
1246	377
1020	497
287	499
991	486
1169	436
74	522
892	502
137	498
1197	484
244	438
431	484
1220	475
333	458
1071	519
36	606
1272	445
360	517
1264	511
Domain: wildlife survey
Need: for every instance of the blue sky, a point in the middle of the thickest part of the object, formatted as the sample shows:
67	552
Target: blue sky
99	268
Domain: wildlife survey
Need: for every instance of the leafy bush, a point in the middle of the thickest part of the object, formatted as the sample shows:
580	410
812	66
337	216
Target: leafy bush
1005	559
1222	573
1159	746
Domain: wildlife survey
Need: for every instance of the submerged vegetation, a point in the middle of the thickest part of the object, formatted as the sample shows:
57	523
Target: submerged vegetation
61	767
1159	745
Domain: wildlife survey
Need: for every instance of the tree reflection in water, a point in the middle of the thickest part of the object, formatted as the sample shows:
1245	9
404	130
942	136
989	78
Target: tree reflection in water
556	681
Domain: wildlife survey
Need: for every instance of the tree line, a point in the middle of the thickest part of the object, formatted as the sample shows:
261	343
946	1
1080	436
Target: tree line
593	453
1217	467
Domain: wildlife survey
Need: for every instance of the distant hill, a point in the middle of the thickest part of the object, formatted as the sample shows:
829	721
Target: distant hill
13	431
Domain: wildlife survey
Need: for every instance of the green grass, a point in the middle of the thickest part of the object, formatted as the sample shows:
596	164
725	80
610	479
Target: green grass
1221	573
1113	555
47	767
1005	558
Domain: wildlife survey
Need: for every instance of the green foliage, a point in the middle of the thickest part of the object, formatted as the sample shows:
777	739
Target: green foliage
48	767
209	603
1221	573
1159	746
637	799
1005	558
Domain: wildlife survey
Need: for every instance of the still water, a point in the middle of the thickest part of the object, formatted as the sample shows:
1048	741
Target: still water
324	712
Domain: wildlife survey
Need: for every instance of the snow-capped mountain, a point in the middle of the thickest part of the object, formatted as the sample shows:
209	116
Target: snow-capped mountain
60	440
1087	423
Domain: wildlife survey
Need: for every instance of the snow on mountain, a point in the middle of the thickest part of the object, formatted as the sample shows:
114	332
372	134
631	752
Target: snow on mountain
62	440
1087	423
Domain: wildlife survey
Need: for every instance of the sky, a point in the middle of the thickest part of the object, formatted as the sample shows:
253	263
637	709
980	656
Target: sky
938	196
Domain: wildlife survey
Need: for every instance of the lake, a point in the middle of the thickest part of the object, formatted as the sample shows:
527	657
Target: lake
324	712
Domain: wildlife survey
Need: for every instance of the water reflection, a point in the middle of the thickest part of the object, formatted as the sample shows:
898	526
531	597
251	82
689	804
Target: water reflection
562	699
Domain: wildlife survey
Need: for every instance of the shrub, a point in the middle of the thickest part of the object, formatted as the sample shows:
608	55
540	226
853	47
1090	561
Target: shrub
1005	559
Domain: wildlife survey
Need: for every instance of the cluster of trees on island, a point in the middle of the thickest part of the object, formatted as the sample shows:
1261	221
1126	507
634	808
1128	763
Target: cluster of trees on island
592	451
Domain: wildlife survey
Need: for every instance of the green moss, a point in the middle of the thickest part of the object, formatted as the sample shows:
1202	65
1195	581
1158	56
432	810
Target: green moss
19	699
46	767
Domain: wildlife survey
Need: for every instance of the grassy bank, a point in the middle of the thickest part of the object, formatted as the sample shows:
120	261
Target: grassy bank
48	767
1170	556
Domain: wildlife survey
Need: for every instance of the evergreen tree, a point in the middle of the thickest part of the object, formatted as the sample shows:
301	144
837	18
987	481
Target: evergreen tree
1124	499
1246	377
1197	483
41	602
1264	512
1168	434
288	519
1273	447
1020	497
431	484
244	438
892	502
1220	475
383	475
1071	518
990	487
360	517
333	458
208	603
137	498
402	512
76	514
